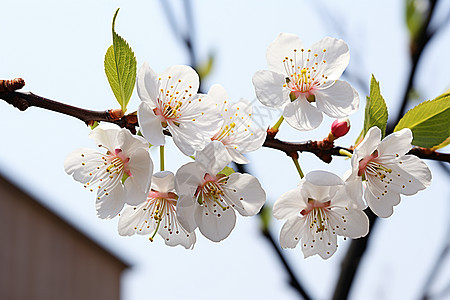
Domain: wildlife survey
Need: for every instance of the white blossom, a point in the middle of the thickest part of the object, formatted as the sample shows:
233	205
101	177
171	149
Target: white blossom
237	132
299	77
208	200
157	214
317	211
387	170
170	101
121	175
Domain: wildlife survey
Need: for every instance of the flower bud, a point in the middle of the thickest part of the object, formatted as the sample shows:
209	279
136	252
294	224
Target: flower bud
340	127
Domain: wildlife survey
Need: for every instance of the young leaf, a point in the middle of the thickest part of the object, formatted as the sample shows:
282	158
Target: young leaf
120	68
227	171
429	122
376	113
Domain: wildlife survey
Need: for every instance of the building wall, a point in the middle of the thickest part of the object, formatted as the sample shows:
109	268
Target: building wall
43	257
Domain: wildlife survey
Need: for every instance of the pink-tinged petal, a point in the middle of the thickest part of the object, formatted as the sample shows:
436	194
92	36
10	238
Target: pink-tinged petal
180	78
291	232
283	46
352	223
369	144
108	206
382	206
246	193
106	134
214	157
82	162
178	237
215	227
186	207
395	145
337	101
133	220
150	125
147	85
289	204
301	115
409	175
336	56
269	88
163	181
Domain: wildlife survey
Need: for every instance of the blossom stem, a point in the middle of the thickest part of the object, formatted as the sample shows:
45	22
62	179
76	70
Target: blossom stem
277	124
345	152
161	158
297	165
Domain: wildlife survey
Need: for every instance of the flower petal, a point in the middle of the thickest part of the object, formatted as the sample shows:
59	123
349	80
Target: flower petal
178	237
246	193
353	223
292	232
163	181
337	101
215	227
283	46
106	135
301	115
336	56
180	78
150	125
289	204
396	144
269	88
109	205
186	208
368	145
133	220
382	206
409	177
214	157
147	85
82	162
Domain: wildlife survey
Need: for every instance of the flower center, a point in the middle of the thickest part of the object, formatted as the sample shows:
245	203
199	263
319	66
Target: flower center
368	165
162	208
118	163
304	74
210	194
317	213
224	132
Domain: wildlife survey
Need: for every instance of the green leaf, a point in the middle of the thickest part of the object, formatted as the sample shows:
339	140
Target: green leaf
227	171
376	113
120	68
429	122
205	68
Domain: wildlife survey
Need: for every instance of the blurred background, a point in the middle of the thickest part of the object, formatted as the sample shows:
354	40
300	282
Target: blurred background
58	47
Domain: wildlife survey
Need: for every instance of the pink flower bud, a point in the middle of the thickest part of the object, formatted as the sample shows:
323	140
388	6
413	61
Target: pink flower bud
340	127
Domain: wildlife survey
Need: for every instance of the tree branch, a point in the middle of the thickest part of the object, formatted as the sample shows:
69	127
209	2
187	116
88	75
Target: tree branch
324	149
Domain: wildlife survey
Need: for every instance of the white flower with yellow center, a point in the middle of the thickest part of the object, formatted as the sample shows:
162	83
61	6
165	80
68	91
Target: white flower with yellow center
157	214
317	211
237	132
208	199
305	81
171	101
387	170
121	175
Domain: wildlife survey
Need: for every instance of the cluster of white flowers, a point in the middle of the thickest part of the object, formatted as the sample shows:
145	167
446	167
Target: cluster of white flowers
203	194
199	195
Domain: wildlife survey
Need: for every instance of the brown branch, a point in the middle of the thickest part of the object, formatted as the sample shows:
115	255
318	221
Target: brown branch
324	149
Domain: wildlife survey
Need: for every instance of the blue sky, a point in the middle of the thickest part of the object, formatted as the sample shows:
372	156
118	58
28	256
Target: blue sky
58	47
